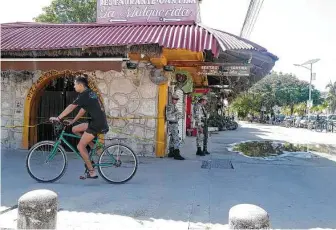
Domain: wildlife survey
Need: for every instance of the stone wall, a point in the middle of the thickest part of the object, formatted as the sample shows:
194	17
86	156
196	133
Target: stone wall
14	88
125	94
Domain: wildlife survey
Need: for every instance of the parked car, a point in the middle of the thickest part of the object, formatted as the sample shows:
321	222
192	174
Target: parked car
332	117
297	121
303	122
331	123
289	121
311	123
279	118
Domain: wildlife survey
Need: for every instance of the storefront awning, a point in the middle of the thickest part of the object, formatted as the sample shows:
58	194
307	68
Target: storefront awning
195	37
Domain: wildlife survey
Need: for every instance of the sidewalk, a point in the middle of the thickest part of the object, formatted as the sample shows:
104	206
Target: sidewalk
169	194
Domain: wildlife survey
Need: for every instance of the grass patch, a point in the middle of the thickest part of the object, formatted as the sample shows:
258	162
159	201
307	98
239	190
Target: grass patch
267	148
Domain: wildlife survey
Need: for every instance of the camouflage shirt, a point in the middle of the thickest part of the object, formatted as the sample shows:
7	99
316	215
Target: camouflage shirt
172	113
199	114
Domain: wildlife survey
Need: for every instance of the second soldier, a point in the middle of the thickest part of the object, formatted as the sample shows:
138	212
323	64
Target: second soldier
173	116
200	116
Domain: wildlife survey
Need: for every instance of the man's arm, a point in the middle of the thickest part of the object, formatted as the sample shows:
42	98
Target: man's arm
197	114
170	113
79	115
68	110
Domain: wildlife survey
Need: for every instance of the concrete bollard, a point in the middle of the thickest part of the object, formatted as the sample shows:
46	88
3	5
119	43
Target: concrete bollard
248	216
37	209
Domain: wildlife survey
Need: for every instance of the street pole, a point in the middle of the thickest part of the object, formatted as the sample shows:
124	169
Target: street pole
310	62
310	89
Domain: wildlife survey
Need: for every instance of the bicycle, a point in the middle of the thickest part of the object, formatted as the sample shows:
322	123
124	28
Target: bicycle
58	152
320	126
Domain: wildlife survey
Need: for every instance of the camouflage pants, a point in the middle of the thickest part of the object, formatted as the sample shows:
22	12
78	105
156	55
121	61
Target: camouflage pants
199	136
174	141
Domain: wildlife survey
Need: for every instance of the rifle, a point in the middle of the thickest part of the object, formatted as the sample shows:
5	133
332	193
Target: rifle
205	129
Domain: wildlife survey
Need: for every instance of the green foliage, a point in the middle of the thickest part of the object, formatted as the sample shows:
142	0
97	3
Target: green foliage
283	90
69	11
267	148
222	122
300	109
320	108
286	110
257	149
247	103
331	99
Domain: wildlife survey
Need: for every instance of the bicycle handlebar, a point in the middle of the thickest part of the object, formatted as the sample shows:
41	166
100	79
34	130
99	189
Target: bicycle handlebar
63	123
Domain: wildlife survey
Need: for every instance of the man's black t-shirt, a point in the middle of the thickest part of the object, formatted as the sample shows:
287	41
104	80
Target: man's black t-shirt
88	100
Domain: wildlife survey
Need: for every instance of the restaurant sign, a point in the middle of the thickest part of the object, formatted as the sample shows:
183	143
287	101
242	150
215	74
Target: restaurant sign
128	11
226	70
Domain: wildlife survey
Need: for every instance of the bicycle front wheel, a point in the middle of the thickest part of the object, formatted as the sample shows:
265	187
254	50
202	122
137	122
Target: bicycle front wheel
117	164
45	163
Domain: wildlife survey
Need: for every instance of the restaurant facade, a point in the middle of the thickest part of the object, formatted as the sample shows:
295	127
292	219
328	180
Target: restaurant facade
136	55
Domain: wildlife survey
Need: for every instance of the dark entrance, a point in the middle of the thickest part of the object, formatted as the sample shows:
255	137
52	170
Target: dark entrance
55	97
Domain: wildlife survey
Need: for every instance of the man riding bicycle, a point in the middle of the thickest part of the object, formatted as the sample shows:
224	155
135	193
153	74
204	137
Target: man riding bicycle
87	101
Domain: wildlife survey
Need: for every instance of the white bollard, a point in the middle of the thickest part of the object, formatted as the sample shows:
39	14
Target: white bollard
37	209
248	216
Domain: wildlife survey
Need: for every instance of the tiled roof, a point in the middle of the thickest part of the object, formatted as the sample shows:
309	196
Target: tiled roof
44	36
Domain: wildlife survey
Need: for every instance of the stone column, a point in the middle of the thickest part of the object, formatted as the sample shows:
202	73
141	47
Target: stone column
37	209
248	216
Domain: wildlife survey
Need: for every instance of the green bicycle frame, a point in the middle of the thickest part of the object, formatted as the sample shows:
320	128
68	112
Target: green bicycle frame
61	139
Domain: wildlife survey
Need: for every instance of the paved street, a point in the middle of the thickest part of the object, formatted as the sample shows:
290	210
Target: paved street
168	194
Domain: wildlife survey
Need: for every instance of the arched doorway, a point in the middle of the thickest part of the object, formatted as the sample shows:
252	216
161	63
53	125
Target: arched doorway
49	96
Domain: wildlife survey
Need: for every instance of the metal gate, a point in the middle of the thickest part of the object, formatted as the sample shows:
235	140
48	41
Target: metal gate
57	95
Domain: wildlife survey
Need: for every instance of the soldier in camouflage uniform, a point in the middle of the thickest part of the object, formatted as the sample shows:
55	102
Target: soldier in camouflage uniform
173	116
200	117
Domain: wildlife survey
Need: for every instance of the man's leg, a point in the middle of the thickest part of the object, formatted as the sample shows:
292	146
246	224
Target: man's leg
84	141
171	146
80	129
199	141
205	140
176	142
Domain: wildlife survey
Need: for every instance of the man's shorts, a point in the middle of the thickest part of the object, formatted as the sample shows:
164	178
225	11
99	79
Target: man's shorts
96	129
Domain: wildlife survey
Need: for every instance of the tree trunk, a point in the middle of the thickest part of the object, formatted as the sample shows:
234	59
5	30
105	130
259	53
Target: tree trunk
291	109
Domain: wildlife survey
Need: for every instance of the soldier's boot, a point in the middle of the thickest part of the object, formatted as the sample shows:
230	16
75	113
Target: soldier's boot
200	152
177	155
171	152
205	150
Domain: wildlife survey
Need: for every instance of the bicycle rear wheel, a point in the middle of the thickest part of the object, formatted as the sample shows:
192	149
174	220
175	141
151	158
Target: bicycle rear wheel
117	164
42	165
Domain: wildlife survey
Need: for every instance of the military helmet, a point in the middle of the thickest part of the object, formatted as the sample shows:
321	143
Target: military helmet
204	98
175	96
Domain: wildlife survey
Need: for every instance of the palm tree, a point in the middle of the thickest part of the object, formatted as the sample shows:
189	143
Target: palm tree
300	109
332	96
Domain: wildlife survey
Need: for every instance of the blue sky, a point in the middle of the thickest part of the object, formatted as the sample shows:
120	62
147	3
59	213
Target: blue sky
294	30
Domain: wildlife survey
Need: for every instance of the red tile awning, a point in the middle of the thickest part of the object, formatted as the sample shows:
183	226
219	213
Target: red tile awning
195	37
